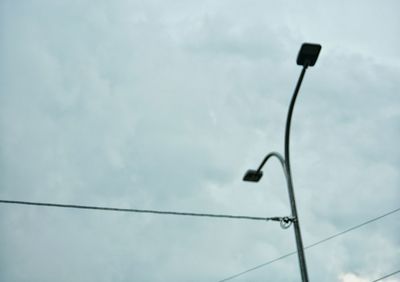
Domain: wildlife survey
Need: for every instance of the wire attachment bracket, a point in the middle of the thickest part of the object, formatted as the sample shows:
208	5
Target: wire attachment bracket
286	221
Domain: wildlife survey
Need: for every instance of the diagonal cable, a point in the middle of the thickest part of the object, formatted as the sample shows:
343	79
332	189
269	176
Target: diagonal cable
143	211
386	276
311	245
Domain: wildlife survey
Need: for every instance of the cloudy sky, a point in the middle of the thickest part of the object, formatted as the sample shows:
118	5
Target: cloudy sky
164	105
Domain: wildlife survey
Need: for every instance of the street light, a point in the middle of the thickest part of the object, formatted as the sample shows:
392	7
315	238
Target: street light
307	56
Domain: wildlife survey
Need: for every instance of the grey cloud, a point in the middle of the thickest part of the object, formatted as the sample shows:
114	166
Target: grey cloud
164	106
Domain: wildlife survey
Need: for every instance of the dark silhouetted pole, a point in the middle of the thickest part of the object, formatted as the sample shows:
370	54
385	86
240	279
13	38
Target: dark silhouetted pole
296	224
307	57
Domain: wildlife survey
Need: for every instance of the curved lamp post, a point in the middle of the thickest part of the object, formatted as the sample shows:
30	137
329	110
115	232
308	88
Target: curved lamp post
308	55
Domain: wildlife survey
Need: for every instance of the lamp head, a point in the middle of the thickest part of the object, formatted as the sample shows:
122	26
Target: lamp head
308	54
252	175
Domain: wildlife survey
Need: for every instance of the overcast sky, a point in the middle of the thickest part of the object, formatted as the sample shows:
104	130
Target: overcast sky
164	105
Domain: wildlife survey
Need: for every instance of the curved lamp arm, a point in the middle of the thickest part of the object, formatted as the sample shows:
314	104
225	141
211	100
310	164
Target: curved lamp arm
272	154
284	167
255	175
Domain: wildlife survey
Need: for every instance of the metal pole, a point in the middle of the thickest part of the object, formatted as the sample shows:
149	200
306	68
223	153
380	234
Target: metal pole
296	223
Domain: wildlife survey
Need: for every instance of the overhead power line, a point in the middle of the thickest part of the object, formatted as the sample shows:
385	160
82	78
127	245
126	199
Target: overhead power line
214	216
312	245
386	276
145	211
